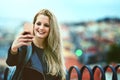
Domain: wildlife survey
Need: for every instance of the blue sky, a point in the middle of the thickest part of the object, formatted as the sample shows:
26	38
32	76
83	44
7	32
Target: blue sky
65	10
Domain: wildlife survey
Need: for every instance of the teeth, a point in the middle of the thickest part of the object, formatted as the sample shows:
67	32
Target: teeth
40	32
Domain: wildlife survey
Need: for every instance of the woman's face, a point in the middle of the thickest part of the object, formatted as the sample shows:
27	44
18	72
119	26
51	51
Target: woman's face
42	26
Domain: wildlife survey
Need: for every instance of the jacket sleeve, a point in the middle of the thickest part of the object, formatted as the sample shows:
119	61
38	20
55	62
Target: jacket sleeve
16	59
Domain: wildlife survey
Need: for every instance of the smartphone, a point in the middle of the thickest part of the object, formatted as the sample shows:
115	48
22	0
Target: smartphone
28	28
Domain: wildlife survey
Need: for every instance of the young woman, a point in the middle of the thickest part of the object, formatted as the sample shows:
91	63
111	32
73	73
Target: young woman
46	61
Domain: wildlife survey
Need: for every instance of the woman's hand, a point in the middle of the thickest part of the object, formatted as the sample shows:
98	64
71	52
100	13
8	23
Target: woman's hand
24	39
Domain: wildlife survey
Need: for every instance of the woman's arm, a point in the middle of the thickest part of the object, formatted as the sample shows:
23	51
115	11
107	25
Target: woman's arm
17	49
12	58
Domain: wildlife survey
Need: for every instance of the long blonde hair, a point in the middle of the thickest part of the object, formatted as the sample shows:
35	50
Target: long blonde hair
53	46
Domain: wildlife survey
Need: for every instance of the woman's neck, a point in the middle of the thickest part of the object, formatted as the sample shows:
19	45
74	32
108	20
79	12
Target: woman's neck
38	42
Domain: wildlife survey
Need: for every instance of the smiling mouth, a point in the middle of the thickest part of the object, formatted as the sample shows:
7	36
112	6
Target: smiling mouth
41	32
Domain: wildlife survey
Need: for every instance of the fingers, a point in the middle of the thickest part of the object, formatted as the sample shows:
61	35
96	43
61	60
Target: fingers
24	33
22	40
23	44
25	40
27	36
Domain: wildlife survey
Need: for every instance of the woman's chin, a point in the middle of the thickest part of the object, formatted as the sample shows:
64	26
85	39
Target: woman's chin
41	37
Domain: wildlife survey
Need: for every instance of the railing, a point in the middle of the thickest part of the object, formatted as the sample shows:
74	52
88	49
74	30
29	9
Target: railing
91	70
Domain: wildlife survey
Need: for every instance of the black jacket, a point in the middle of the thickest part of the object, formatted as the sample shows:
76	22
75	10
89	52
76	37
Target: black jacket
35	68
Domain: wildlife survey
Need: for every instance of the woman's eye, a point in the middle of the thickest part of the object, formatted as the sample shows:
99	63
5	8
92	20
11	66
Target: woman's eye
38	23
47	25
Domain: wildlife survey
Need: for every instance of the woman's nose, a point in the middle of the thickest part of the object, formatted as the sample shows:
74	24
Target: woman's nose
41	27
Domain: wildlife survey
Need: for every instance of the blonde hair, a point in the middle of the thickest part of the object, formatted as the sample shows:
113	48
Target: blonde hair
53	46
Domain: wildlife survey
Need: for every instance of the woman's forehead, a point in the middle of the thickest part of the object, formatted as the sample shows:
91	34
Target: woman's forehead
43	18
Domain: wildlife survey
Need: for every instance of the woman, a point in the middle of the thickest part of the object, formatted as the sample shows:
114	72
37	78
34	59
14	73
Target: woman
46	44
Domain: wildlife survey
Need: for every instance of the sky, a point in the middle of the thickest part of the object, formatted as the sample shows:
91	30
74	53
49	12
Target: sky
65	10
